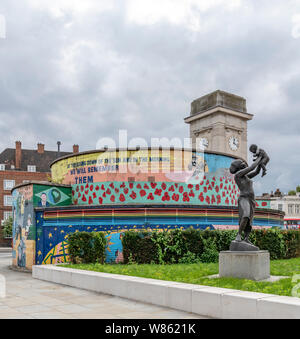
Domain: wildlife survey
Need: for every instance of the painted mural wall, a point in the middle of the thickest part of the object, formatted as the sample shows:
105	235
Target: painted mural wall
174	178
25	199
55	226
160	165
24	232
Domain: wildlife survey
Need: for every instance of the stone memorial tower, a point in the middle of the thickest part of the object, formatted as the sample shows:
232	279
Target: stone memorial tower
218	122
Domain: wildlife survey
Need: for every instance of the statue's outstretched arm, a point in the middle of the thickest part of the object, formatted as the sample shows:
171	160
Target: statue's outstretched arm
254	174
249	169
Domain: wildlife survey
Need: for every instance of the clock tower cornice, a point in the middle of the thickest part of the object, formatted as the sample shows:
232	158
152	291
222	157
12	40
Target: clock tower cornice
201	115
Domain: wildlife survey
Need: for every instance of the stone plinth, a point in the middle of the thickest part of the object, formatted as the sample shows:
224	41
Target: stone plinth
253	265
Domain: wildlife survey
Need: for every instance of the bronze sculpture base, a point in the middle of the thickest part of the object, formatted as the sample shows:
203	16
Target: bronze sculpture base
242	246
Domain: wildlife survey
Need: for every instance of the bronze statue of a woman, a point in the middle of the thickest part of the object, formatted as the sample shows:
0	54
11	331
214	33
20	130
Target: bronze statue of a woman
246	202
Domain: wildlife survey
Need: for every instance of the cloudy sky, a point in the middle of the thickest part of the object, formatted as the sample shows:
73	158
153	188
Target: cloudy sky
76	71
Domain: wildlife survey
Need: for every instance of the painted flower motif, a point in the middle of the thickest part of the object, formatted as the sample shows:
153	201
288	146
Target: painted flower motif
186	197
133	195
158	192
142	193
166	197
150	197
175	197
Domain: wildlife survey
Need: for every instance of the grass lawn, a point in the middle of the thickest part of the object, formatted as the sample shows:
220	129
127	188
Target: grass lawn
196	273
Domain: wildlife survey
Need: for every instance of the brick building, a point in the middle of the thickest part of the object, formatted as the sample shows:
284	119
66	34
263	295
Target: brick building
19	165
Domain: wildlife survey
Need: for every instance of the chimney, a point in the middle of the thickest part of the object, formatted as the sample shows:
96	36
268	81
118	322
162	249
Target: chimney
75	149
58	147
18	154
41	148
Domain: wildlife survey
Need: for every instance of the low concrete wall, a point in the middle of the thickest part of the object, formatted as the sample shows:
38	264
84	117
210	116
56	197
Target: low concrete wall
206	301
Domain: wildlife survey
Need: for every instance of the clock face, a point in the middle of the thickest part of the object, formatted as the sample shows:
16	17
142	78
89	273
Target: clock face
233	143
203	142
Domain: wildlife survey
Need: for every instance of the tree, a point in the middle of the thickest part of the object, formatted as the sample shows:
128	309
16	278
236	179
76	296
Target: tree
298	189
292	192
7	227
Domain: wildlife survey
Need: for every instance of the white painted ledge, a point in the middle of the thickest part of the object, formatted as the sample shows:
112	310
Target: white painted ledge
203	300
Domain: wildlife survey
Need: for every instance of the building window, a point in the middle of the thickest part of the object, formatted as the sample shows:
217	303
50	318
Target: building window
8	184
31	168
290	209
280	207
7	215
7	200
2	167
297	209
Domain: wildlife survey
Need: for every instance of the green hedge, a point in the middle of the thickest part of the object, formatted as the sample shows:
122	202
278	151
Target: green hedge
87	247
189	246
138	247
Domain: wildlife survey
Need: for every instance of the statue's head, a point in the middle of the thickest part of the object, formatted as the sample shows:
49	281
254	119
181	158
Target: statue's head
237	165
253	148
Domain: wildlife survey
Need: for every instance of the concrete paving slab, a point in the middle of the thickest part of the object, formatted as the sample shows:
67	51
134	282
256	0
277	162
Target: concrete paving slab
29	298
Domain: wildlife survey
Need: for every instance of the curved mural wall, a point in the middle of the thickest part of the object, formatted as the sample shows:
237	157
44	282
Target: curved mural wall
148	177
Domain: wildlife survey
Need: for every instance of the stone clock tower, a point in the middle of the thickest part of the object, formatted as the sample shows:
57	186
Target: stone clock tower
218	122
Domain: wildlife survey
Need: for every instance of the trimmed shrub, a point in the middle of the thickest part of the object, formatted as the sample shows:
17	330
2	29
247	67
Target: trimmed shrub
138	247
87	247
189	258
210	252
194	241
191	246
292	242
270	240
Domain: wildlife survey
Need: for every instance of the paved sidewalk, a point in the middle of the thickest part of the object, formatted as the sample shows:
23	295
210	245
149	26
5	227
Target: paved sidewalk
28	298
